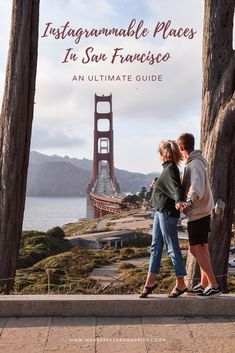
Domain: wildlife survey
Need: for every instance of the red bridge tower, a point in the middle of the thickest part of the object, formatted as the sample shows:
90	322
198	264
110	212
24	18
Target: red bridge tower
103	137
103	182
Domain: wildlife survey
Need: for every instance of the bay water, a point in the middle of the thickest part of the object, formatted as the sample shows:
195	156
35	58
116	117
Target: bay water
43	213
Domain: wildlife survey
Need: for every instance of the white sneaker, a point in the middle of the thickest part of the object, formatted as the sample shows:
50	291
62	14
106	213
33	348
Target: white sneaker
210	292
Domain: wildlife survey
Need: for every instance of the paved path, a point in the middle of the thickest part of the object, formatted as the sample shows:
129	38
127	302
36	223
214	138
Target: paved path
117	335
107	274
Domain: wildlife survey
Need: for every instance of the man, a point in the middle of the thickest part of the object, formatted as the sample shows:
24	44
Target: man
198	206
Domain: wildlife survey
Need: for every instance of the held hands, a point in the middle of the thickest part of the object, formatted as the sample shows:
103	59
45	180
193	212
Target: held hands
179	205
183	205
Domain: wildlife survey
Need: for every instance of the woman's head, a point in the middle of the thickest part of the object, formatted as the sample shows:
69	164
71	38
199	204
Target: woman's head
169	150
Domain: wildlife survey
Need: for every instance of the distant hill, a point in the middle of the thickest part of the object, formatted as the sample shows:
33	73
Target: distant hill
64	176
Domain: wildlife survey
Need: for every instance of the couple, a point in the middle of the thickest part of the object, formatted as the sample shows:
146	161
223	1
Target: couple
194	199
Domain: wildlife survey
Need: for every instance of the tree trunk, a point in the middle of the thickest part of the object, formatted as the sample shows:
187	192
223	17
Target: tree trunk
218	126
15	132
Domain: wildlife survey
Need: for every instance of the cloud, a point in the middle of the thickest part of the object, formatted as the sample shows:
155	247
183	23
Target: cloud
183	11
48	137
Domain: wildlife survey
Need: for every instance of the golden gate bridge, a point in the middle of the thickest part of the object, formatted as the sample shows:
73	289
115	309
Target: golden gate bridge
103	192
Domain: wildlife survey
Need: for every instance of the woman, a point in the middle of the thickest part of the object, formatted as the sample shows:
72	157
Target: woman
166	199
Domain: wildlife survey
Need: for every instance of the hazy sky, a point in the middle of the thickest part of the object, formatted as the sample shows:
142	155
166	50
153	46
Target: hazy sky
144	112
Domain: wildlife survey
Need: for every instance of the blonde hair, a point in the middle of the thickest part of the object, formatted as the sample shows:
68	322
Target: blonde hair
170	150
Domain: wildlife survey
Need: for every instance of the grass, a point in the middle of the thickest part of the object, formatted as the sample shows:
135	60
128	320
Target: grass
132	279
90	226
68	272
49	263
231	284
79	228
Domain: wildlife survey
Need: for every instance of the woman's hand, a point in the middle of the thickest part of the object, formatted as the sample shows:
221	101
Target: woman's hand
181	205
178	205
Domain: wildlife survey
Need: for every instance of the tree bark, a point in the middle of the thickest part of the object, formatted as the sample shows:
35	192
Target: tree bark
218	127
15	132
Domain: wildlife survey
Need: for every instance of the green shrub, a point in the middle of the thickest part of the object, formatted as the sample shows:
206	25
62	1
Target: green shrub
56	232
36	246
100	262
142	240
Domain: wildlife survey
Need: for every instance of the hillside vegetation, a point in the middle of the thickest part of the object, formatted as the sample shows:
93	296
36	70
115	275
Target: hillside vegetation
48	263
64	176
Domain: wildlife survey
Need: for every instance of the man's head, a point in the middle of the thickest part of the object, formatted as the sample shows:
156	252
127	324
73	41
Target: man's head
186	144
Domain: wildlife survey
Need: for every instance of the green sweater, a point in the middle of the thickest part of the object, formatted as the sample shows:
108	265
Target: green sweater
167	191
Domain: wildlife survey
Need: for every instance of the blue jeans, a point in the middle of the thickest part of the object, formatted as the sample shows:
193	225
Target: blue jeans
165	231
